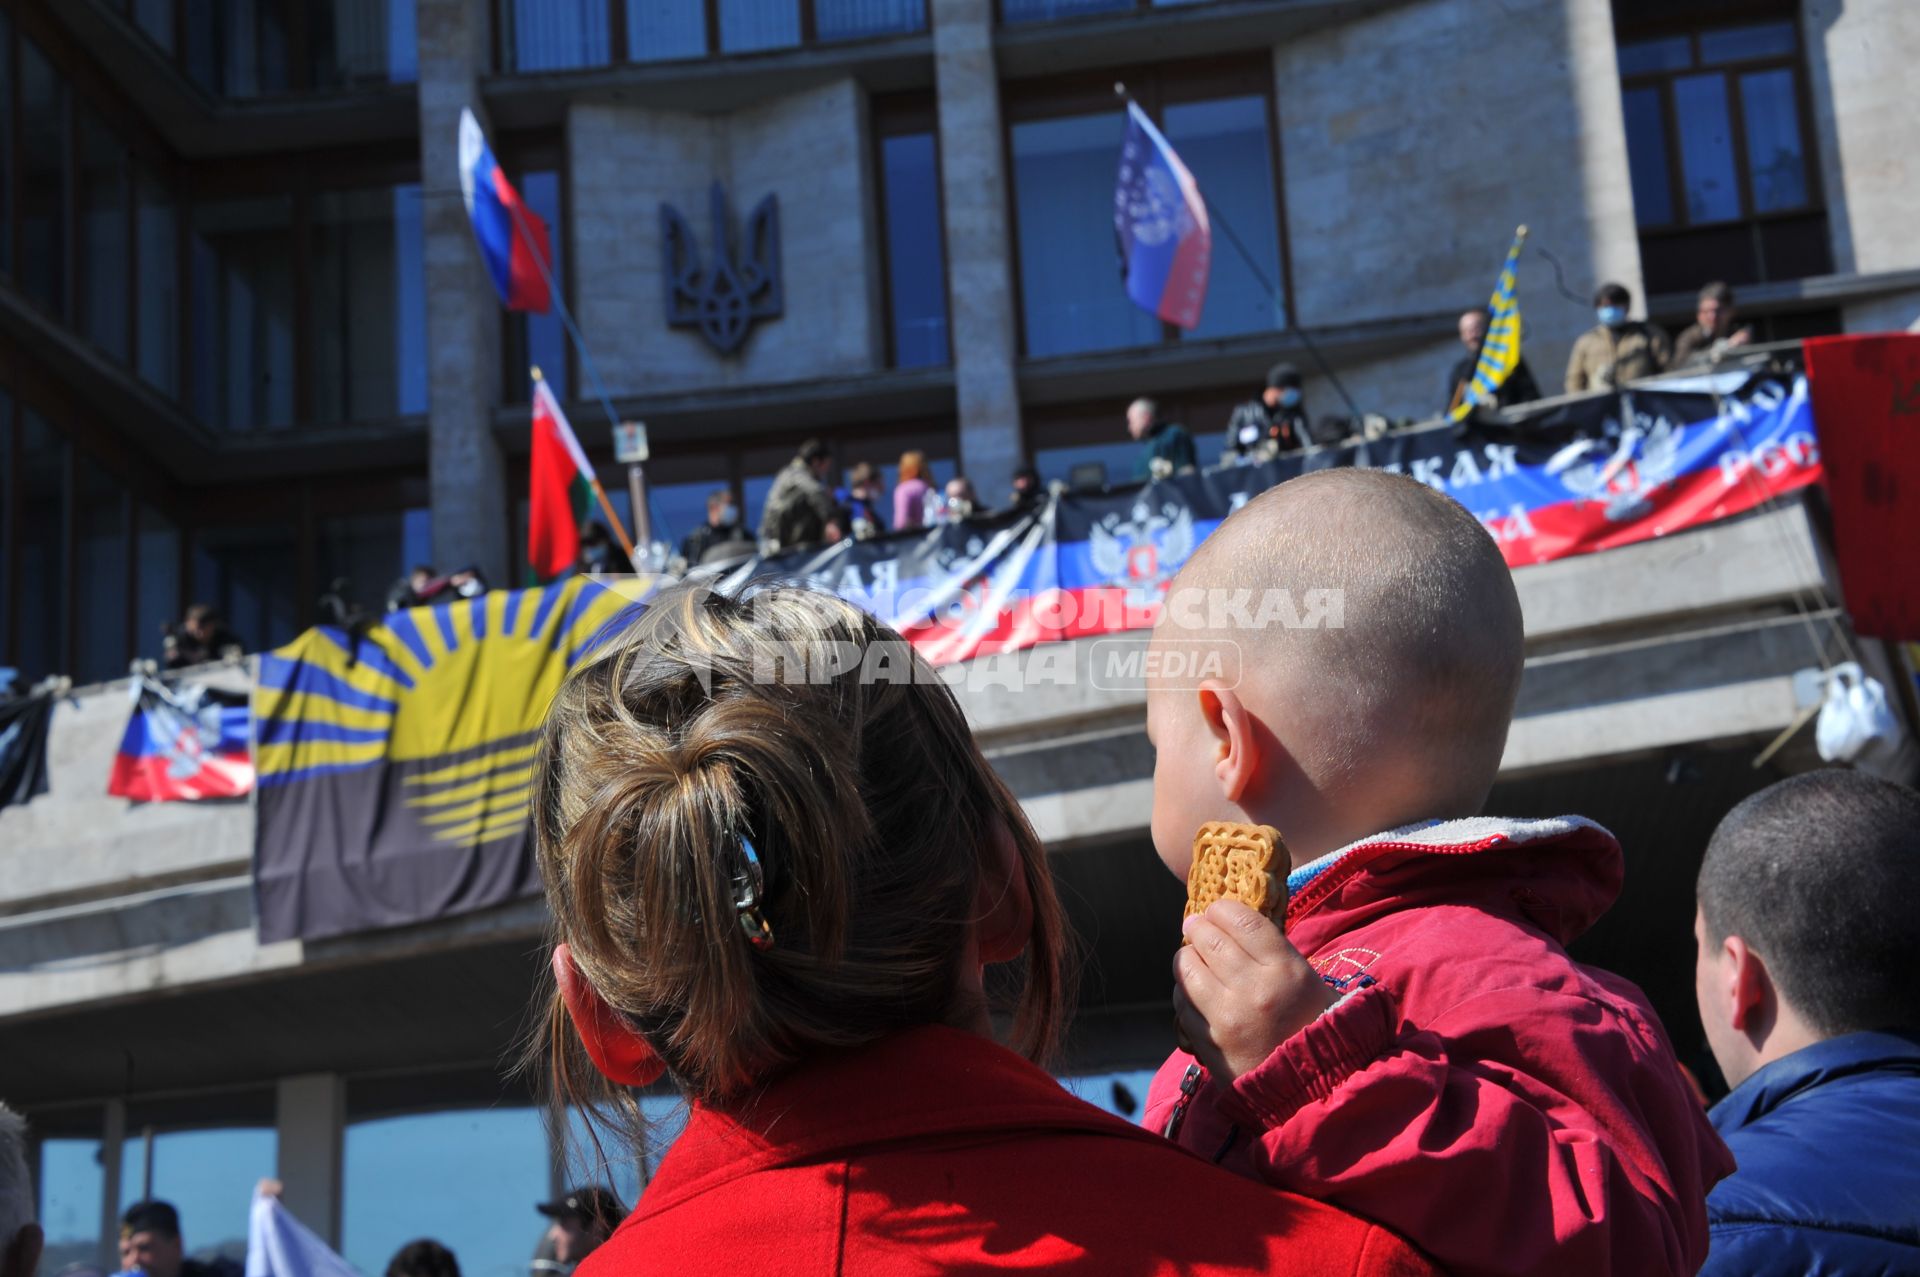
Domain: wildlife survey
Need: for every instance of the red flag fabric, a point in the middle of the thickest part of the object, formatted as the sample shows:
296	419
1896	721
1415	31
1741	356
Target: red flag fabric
1866	402
558	491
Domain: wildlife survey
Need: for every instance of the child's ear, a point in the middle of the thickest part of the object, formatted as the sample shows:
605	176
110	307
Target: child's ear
615	1048
1231	737
1002	906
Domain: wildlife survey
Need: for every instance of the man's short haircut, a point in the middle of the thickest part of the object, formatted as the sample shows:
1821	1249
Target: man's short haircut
1612	294
423	1258
718	498
1148	406
861	473
151	1216
202	612
1717	291
16	1187
1485	314
1282	375
814	450
1819	875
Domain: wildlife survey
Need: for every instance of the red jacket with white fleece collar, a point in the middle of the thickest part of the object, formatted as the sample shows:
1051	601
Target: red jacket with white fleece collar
937	1151
1496	1103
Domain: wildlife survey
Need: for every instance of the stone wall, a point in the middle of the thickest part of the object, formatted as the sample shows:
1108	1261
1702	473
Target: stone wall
1860	59
810	150
1414	141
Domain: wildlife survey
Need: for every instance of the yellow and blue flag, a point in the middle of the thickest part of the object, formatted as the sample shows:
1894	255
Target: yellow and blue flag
395	766
1500	352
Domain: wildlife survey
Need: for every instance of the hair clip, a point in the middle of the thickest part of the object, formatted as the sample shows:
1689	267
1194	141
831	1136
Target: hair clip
748	886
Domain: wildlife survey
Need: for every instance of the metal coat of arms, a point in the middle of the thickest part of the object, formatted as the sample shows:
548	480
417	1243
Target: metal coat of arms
739	286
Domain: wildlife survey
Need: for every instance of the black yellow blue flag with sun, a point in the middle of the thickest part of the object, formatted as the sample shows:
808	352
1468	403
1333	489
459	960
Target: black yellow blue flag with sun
395	765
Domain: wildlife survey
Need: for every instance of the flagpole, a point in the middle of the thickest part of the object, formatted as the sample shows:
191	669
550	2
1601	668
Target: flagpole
586	361
593	481
1260	278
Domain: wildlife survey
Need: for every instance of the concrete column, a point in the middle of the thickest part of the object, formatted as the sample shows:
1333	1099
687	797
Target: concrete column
465	472
1860	56
1613	234
311	1113
113	1136
973	183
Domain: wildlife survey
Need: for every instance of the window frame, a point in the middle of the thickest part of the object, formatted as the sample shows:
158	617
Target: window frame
1730	74
618	35
1154	87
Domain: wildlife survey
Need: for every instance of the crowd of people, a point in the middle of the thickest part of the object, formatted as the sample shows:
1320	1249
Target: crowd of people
783	896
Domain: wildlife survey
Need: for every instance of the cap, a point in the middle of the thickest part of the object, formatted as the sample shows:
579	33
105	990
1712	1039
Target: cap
1283	375
591	1202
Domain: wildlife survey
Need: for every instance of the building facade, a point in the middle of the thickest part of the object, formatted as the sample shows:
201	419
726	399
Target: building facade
247	348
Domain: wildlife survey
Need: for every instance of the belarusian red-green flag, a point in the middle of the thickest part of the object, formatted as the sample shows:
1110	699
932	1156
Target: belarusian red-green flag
561	489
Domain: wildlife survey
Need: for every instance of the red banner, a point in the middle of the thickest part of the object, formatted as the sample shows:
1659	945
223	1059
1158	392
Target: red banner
1866	401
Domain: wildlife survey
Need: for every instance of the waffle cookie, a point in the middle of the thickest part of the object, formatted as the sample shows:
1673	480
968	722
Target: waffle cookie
1232	861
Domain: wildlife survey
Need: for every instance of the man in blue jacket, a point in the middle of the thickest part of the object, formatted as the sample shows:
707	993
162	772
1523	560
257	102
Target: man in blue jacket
1808	980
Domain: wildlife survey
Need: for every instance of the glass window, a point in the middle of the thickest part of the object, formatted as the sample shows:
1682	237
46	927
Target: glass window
1070	292
1669	53
749	25
366	551
1224	143
6	511
467	1178
416	537
242	308
158	282
1115	459
156	581
1048	10
1122	1092
208	1174
539	340
662	30
1776	166
6	142
155	17
552	35
72	1187
1706	148
916	258
238	48
1733	44
597	1155
44	186
248	575
852	19
1647	157
354	42
105	265
100	577
369	325
40	599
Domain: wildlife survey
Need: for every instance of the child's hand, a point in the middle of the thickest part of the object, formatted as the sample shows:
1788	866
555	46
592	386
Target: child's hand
1240	989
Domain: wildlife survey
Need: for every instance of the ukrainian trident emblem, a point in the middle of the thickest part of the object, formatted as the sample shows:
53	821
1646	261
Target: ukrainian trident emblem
723	298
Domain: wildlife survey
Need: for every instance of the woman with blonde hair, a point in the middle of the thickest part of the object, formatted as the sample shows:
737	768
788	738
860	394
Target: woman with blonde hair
910	493
778	866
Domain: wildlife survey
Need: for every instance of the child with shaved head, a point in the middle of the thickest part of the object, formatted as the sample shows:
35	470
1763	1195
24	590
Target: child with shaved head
1407	1038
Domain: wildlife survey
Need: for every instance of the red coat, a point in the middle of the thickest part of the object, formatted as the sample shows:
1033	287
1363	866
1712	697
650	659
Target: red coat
1496	1103
937	1151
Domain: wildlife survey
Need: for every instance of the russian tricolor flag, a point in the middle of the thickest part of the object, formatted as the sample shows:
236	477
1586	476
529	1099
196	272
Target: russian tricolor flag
1160	221
513	238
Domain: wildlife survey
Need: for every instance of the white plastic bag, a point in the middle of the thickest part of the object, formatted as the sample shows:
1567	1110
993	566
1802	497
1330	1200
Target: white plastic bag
1856	723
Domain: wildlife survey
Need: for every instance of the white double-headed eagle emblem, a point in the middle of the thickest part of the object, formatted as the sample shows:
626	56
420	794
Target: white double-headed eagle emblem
1142	553
1623	467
